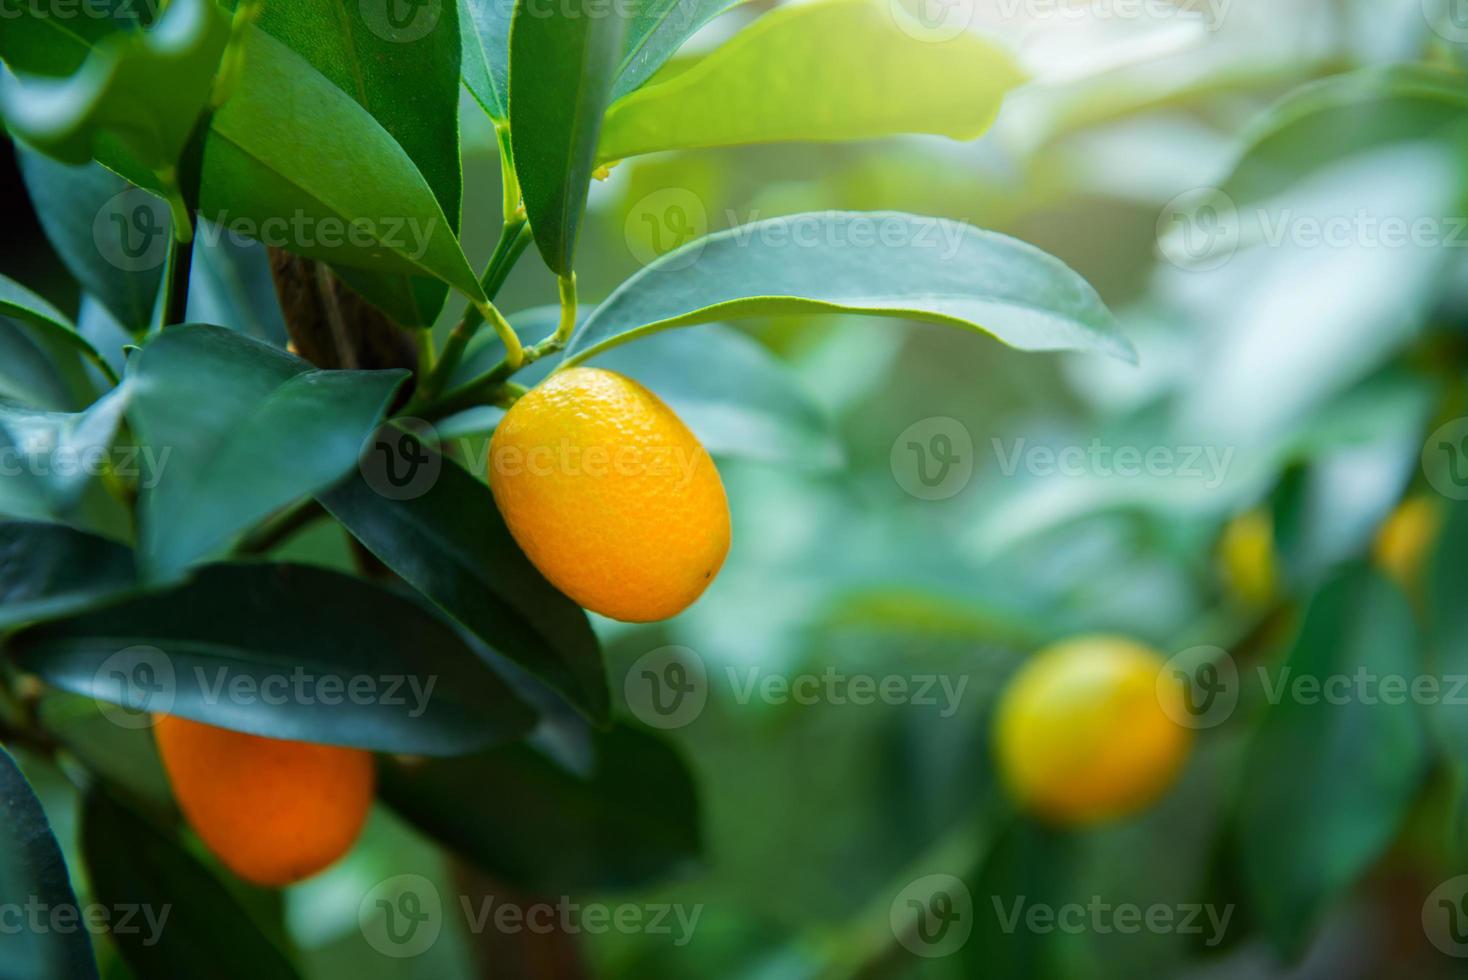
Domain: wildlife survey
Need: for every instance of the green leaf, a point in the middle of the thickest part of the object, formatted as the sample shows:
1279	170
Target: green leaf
31	867
1447	614
484	26
750	407
55	456
125	757
451	544
368	57
291	148
88	216
655	31
563	59
50	570
628	818
878	263
276	650
237	429
1331	119
132	864
40	352
1331	777
146	89
230	285
885	76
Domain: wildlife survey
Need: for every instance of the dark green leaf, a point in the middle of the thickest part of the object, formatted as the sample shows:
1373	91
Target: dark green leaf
485	28
407	77
146	89
126	757
631	819
230	285
563	59
246	428
886	76
878	263
1331	776
112	242
32	868
450	543
47	571
275	650
55	456
655	31
40	352
187	923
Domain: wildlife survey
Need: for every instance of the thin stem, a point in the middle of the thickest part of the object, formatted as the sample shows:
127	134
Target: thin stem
509	180
277	532
567	326
514	352
424	339
180	254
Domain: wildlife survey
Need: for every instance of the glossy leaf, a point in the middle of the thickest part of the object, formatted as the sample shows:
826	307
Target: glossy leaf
451	544
655	31
187	923
32	868
54	456
230	285
484	26
48	570
877	263
146	89
276	650
1330	781
750	407
77	206
882	78
237	429
407	77
563	60
631	818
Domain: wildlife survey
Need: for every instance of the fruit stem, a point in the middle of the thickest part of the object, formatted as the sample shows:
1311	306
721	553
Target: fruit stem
567	326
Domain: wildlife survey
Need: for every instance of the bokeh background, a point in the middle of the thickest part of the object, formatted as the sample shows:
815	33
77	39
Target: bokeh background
1287	389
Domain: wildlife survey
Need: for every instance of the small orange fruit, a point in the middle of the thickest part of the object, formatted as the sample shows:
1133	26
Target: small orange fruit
610	495
1404	540
1247	560
273	811
1083	734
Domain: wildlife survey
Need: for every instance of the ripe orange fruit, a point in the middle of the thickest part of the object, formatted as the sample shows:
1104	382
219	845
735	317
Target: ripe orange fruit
1082	734
273	811
610	495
